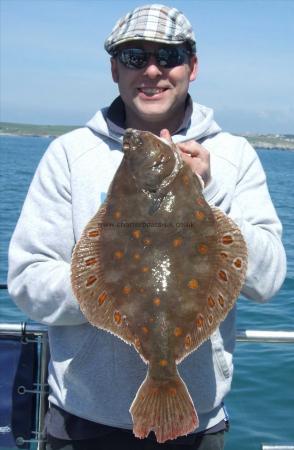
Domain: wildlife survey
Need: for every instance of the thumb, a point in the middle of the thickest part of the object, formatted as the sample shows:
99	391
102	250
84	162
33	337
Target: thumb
165	134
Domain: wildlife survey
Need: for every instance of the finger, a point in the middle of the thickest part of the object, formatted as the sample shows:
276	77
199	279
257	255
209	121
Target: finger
192	162
165	134
188	150
185	157
194	149
191	147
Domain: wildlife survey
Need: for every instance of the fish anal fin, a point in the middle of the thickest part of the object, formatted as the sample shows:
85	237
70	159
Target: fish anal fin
165	407
88	282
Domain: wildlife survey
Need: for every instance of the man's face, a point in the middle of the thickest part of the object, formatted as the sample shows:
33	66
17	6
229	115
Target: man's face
154	96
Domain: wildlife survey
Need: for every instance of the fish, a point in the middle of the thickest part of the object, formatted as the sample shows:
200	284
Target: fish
159	268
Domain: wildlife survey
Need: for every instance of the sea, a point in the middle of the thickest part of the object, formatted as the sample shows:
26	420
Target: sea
261	402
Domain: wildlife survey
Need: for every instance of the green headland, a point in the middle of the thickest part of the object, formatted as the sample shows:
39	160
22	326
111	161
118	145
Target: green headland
270	141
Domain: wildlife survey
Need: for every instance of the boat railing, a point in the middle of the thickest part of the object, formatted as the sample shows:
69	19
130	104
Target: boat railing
277	447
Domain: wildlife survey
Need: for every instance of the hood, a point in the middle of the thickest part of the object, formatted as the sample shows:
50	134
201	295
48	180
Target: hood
198	122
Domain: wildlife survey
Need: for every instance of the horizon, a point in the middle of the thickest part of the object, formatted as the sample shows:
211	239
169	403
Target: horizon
56	71
72	126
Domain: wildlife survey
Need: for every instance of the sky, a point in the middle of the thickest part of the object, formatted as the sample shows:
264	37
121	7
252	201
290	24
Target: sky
54	69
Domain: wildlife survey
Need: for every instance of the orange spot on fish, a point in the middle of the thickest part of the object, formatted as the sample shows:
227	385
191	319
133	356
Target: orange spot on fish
188	341
185	179
102	297
155	390
178	331
117	215
93	233
145	269
137	343
199	215
136	234
193	284
141	290
227	239
163	362
145	330
156	301
127	289
221	300
200	201
223	275
90	261
202	249
91	280
118	254
238	263
211	302
172	391
117	317
177	242
136	256
147	241
199	321
128	334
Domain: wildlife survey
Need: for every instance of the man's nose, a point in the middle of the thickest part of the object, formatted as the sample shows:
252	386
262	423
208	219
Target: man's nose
152	70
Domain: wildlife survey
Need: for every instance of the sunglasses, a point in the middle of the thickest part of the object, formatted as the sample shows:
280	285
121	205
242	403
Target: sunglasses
166	57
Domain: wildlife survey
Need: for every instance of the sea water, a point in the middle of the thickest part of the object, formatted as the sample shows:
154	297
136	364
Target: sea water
261	403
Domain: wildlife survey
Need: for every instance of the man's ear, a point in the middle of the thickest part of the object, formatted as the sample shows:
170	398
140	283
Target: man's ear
114	69
193	67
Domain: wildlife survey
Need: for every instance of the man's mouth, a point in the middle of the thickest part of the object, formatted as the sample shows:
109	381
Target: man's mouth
150	92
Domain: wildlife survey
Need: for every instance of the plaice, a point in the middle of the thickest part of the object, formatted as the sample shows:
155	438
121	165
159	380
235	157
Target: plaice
159	268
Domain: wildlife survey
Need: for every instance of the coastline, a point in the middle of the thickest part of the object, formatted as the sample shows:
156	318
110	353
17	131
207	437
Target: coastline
261	141
22	129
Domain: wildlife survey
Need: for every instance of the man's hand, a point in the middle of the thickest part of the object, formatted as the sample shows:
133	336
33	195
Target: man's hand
193	154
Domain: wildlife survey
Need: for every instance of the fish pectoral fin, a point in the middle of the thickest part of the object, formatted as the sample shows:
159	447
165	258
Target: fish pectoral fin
88	283
165	407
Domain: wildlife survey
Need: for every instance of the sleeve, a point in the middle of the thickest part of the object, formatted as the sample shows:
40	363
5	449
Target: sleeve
42	243
253	210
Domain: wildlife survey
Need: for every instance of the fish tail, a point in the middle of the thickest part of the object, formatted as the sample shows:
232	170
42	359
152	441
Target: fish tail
165	407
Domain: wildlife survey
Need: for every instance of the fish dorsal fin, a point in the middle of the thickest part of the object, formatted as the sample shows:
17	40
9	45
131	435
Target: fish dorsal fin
88	283
228	277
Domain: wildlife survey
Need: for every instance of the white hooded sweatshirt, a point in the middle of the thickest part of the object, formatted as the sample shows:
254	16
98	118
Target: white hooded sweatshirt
92	373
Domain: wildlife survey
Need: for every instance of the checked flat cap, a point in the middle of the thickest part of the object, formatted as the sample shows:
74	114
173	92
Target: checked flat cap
156	23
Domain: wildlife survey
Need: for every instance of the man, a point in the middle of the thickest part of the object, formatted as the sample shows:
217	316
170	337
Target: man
93	376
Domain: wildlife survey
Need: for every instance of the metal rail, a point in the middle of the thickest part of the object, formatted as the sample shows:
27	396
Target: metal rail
277	447
21	328
273	337
263	336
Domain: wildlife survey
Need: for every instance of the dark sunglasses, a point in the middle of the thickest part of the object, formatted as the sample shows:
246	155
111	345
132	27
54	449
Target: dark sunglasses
166	57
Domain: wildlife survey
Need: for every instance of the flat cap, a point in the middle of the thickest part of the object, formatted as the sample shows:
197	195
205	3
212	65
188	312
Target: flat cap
156	23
